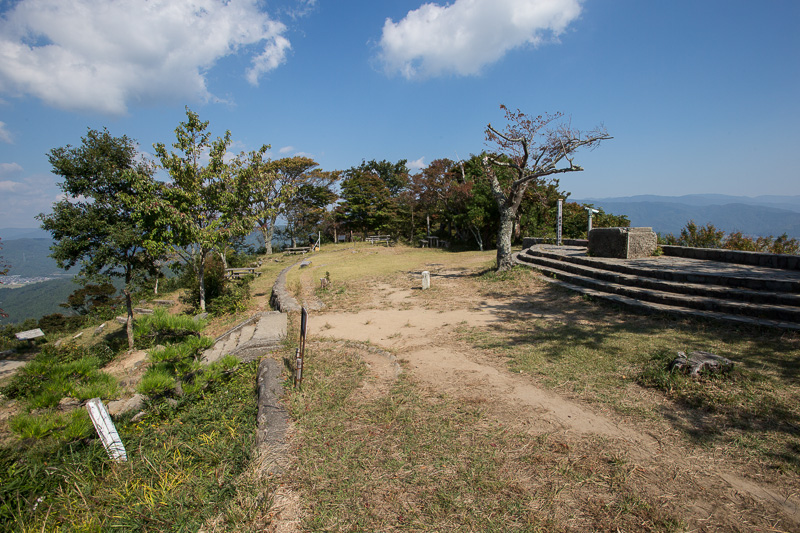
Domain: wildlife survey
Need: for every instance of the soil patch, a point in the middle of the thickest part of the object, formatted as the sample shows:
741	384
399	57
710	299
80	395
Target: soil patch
424	330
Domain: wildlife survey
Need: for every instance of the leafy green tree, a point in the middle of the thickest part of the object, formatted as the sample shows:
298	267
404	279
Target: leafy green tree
206	205
98	224
307	208
371	196
267	186
532	149
92	297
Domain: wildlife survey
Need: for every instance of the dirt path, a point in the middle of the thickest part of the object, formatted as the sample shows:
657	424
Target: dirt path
425	336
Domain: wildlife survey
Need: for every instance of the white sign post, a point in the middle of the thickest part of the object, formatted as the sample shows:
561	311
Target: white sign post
106	429
559	224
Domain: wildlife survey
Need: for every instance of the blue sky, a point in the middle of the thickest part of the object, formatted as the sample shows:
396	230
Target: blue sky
701	96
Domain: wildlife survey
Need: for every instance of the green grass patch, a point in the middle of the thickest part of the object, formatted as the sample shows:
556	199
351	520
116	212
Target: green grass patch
55	373
184	470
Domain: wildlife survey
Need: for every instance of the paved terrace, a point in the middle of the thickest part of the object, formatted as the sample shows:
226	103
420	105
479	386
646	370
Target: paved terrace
680	265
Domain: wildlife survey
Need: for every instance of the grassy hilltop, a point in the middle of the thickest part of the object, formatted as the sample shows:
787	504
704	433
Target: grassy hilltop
491	402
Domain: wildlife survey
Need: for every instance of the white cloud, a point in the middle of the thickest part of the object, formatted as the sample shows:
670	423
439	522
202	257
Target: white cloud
302	8
9	169
286	149
101	55
5	135
23	198
463	37
416	165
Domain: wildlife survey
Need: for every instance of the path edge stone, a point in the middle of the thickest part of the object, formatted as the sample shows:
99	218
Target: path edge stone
281	299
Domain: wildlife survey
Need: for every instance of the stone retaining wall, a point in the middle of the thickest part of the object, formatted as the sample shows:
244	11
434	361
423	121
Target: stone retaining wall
527	242
783	261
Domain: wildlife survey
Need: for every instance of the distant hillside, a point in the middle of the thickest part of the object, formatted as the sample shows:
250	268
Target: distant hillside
29	258
35	300
789	203
668	214
7	234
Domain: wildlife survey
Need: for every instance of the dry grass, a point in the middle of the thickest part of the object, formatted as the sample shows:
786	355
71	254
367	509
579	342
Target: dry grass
412	459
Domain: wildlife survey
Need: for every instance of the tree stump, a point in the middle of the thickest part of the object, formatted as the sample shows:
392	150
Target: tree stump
697	361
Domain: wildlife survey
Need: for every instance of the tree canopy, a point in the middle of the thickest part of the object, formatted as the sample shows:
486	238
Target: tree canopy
98	224
205	206
531	150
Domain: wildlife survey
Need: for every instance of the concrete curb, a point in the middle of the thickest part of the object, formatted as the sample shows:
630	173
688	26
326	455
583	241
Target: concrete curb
281	299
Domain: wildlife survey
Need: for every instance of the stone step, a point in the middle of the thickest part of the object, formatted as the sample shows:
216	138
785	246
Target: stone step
229	344
755	278
645	281
785	316
246	333
651	307
251	338
271	326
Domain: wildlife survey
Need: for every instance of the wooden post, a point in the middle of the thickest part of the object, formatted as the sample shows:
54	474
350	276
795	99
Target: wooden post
301	351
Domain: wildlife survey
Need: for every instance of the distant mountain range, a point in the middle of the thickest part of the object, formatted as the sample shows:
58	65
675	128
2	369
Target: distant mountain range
759	216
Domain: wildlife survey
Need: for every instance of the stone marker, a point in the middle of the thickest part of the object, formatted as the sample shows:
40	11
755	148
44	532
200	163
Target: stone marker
426	280
29	335
622	243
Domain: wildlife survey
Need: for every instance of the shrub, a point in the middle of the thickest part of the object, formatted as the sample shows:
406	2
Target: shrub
157	381
163	326
57	372
710	237
58	323
233	298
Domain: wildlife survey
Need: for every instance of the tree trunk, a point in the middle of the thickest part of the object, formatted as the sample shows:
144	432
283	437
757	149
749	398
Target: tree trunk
476	232
267	232
129	323
201	278
504	260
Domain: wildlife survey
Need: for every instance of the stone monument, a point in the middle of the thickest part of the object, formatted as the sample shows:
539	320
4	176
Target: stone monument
622	243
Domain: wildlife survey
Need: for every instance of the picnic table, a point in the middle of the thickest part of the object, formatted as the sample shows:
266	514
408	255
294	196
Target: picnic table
432	241
380	239
238	273
297	250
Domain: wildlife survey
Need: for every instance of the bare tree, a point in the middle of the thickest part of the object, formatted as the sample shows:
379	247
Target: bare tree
527	151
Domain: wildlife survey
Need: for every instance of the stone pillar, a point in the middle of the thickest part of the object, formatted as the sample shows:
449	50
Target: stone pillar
559	224
426	280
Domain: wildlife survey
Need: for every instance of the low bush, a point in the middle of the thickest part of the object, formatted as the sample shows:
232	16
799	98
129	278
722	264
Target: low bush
161	326
709	236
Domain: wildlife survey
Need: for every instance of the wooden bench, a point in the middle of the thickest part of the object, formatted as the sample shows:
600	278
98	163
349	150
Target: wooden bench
238	273
297	250
380	239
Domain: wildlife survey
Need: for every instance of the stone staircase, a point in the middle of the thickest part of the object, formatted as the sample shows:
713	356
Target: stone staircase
710	289
250	339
